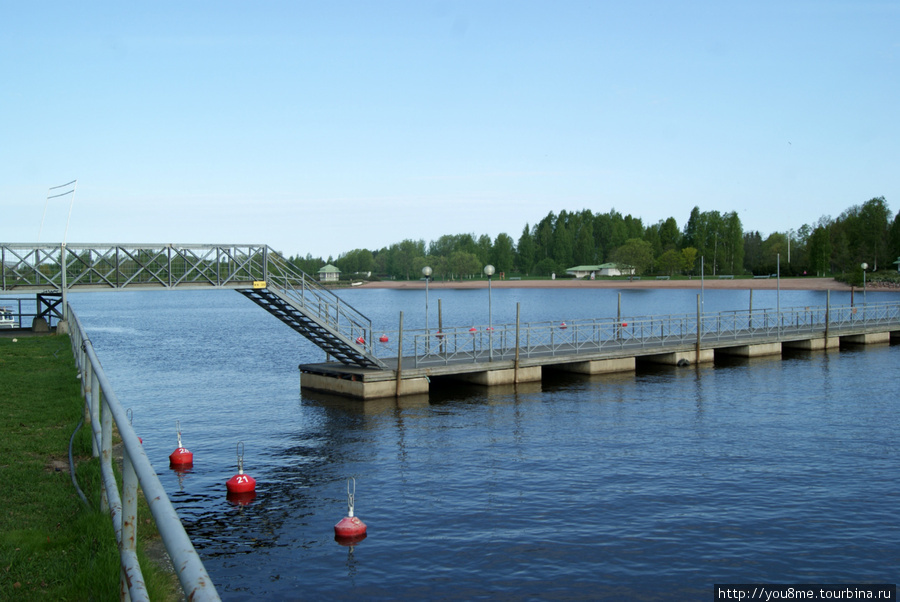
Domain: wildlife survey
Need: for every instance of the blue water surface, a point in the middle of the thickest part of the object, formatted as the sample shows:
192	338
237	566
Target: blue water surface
651	485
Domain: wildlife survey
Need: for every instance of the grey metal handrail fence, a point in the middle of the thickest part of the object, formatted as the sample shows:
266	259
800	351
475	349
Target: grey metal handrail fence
540	339
136	470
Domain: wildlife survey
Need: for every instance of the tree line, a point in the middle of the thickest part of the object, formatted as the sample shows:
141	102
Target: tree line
709	240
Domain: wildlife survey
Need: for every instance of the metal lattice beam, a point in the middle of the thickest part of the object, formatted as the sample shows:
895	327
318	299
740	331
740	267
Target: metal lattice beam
294	297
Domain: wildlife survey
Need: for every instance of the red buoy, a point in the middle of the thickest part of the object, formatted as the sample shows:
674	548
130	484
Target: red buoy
624	324
241	483
439	334
473	330
383	338
241	499
350	529
361	340
563	326
181	457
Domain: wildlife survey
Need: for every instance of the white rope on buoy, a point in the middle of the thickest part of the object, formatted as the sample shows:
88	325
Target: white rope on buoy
350	529
350	496
240	457
181	457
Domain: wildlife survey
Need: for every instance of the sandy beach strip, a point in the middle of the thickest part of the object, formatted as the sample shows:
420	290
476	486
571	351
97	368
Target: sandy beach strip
806	283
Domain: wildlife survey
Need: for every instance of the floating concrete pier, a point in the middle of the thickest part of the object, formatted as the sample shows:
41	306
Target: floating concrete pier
621	364
816	344
415	375
752	350
868	338
680	358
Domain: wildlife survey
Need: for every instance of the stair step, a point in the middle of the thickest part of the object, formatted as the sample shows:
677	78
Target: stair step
293	314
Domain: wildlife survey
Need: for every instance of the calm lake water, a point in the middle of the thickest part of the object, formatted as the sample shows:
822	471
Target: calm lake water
651	485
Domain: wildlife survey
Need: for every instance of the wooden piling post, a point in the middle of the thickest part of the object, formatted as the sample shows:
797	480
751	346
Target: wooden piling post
699	318
399	356
516	371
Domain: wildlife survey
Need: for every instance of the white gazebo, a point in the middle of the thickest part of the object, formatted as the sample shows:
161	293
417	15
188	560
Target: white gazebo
329	273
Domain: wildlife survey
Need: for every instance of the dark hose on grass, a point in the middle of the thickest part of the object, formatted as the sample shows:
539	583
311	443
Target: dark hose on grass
72	466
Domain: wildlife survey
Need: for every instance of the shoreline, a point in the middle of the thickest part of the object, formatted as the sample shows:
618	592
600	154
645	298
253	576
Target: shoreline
812	284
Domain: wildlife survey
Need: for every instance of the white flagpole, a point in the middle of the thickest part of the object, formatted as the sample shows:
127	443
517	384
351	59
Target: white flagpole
41	229
71	204
53	196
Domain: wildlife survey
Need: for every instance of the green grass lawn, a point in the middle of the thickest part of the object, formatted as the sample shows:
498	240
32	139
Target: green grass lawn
52	546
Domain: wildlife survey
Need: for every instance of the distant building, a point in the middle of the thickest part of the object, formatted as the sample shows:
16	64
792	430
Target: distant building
604	269
329	273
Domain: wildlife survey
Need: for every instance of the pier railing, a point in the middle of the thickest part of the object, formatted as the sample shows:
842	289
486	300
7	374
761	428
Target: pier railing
102	410
482	343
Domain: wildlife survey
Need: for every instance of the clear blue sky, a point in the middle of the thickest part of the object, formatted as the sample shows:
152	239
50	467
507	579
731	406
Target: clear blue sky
320	127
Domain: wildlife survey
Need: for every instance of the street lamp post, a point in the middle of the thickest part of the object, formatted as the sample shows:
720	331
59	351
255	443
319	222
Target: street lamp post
489	271
427	271
864	266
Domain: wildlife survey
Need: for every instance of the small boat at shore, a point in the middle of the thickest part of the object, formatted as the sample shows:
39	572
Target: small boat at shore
6	318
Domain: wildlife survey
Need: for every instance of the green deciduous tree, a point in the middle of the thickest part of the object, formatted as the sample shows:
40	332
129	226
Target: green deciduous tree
464	265
670	262
503	253
874	230
545	267
636	254
585	252
525	251
669	235
819	251
688	259
563	241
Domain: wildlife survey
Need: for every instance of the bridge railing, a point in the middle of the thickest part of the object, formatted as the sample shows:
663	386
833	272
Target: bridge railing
41	267
57	266
25	265
572	337
102	410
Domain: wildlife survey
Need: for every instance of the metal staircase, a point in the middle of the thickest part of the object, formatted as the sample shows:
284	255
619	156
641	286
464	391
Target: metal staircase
298	317
315	312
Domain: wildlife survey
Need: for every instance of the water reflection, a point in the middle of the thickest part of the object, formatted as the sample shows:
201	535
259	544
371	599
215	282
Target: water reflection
647	485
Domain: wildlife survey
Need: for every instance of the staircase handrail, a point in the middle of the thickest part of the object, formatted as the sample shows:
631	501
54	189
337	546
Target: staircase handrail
319	301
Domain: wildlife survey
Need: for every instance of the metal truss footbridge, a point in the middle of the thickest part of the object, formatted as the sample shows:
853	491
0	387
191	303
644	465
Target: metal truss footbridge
256	271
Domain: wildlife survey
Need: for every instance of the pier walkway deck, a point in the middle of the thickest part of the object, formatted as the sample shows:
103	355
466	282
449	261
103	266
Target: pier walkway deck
513	354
